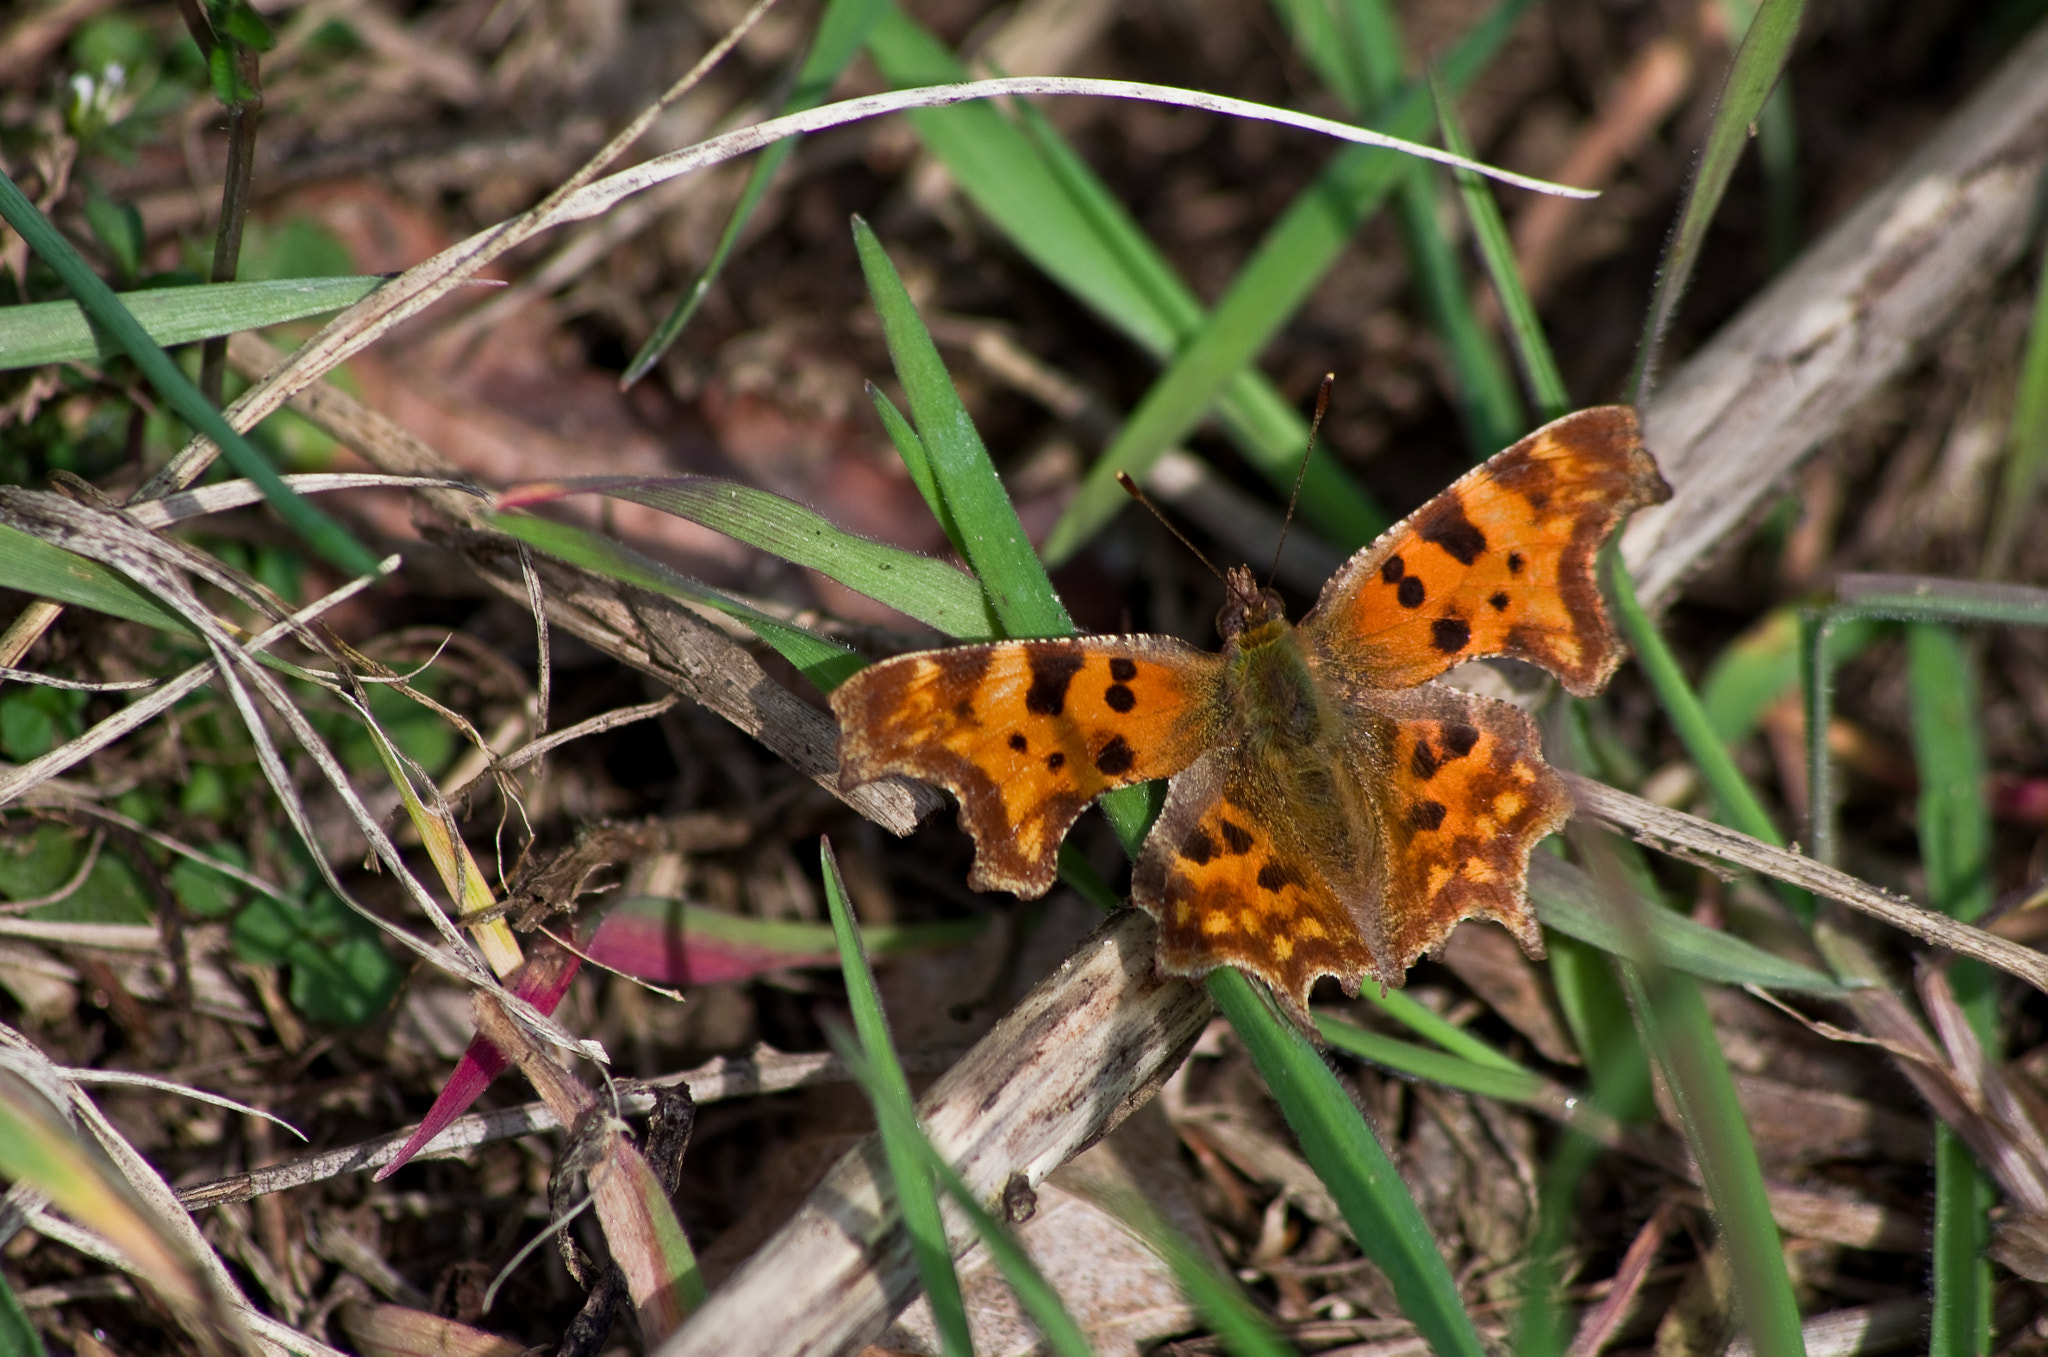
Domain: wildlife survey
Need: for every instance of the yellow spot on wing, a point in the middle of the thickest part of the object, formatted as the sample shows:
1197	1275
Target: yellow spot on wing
1439	877
1508	804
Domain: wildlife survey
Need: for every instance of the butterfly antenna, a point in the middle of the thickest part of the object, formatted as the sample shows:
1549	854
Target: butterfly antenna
1130	486
1301	472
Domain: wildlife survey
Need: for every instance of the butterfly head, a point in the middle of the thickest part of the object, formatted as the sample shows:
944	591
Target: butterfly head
1246	606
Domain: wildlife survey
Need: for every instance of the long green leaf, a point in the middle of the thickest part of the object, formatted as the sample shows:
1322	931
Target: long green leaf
1348	1158
825	663
177	391
1758	62
1573	904
896	1120
997	549
1739	803
841	31
1360	54
1955	846
1280	275
18	1336
1062	218
1244	1330
1441	1067
34	566
1532	347
1034	1293
2026	439
63	332
931	591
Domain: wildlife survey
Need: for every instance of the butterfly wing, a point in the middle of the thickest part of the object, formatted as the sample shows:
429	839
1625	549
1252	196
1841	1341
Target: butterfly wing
1501	563
1461	795
1027	733
1228	879
1429	816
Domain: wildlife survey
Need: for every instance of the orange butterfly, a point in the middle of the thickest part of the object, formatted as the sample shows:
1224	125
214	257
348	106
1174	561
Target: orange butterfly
1332	812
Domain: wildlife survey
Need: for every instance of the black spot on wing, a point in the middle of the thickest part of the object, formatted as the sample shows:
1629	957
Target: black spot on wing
1236	838
1423	762
1450	529
1052	670
1450	634
1115	758
1197	847
1391	570
1499	602
964	709
1055	761
1514	563
1458	741
1018	742
1410	592
1123	670
1539	500
1426	815
1119	697
1274	878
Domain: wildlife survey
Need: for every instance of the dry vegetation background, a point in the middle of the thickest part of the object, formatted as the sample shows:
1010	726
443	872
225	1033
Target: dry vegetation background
390	130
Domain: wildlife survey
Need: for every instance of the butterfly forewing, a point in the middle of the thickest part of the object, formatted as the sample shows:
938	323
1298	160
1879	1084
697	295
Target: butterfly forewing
1499	564
1027	733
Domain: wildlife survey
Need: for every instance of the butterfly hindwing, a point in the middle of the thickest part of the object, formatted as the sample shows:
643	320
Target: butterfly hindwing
1501	563
1027	733
1461	799
1227	887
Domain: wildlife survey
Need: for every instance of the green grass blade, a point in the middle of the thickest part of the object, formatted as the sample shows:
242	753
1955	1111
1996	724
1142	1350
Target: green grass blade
1425	1021
917	462
1348	1158
1366	67
1758	62
825	663
18	1335
842	29
1244	1330
1061	217
1514	1084
1682	1039
1737	799
1532	347
1758	668
931	591
981	517
173	387
1569	901
1926	598
1289	262
897	1122
2026	441
1955	847
997	549
62	332
34	566
1040	1302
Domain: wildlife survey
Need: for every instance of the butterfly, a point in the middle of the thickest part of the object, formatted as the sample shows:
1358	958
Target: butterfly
1332	811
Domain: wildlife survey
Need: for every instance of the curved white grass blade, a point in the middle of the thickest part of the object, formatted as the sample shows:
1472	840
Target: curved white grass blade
595	198
75	685
418	287
82	1076
214	499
